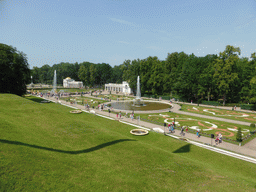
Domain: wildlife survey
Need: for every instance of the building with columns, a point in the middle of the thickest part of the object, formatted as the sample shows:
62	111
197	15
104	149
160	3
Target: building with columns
70	83
120	88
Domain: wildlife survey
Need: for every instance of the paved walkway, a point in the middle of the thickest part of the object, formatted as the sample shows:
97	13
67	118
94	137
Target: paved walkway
249	149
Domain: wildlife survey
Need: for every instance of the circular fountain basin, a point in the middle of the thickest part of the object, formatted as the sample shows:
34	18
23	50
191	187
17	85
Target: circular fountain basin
147	106
139	132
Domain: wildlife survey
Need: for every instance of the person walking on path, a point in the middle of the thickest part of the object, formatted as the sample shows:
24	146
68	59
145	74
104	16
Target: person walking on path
217	140
186	129
172	129
220	138
120	114
117	115
197	134
182	131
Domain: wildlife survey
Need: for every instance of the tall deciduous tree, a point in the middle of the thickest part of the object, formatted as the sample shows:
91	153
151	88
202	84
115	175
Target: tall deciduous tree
14	70
225	74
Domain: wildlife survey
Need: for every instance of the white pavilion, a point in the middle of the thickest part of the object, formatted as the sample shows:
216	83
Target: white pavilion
70	83
120	88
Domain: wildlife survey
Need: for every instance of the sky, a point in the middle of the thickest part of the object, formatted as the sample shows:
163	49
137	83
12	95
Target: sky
112	31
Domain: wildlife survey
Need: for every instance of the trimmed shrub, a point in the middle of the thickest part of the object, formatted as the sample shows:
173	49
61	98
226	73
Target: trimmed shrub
239	135
252	125
214	103
248	106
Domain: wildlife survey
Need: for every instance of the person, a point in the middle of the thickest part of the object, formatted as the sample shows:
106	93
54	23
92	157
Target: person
117	115
182	130
235	107
126	114
172	128
186	129
217	140
197	133
220	138
120	114
169	126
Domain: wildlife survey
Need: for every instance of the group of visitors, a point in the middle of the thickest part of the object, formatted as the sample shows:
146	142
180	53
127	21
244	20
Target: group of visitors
218	139
100	107
119	115
171	127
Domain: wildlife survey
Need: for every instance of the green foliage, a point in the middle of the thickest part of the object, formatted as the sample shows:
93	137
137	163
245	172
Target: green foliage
214	103
239	135
14	70
248	106
252	125
188	77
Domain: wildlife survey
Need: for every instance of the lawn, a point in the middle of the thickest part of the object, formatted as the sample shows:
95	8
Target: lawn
93	102
228	114
207	126
45	148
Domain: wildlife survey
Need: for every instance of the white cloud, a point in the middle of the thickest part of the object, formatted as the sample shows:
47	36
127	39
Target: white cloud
122	21
123	42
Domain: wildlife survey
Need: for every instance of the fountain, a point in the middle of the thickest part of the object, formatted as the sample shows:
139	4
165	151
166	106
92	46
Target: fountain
54	89
138	104
139	132
138	100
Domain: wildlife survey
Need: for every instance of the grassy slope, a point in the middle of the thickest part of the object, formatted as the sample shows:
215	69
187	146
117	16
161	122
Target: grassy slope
44	147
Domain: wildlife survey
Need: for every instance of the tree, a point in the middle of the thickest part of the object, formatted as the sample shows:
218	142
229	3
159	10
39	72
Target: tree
84	73
206	85
14	70
156	79
117	74
93	71
239	135
225	74
253	56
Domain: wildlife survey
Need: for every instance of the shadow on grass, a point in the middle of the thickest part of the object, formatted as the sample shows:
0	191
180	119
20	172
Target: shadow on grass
35	99
68	152
184	149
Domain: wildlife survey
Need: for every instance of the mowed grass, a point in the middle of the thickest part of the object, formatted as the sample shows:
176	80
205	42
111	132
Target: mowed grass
223	113
85	100
45	148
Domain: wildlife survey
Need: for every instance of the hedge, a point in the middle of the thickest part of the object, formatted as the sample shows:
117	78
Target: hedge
214	103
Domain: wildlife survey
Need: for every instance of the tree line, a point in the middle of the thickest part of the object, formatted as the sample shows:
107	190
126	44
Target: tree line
225	77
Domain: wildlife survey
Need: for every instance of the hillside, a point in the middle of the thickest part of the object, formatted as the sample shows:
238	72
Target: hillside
45	148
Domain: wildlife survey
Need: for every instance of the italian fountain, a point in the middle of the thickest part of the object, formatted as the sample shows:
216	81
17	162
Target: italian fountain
138	104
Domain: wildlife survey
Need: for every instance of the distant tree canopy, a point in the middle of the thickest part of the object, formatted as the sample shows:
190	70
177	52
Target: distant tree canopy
224	77
14	70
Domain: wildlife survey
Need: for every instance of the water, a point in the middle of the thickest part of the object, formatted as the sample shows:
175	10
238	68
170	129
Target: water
148	106
138	95
138	100
54	89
